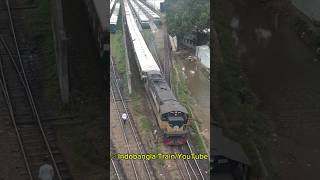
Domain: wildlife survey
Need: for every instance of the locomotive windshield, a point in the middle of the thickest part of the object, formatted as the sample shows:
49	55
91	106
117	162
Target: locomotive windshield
176	121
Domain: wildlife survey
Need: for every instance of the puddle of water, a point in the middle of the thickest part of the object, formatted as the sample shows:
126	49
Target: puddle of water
199	87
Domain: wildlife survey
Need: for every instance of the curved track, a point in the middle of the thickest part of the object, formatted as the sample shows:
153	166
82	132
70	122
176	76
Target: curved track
36	140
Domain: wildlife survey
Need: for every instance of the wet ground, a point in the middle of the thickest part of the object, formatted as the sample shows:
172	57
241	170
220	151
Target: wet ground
284	74
199	87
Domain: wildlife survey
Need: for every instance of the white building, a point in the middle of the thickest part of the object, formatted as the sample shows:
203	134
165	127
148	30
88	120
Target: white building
203	53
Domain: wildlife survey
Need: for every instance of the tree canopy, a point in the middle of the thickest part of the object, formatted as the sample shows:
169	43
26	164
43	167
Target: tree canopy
186	16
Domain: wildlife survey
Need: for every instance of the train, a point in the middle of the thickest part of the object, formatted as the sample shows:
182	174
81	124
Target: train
98	19
172	117
143	19
155	17
114	18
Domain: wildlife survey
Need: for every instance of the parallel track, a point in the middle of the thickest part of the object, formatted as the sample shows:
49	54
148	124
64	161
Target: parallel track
130	134
36	140
116	165
188	169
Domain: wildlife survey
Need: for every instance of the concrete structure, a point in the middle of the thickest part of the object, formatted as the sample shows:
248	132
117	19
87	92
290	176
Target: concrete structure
228	156
60	46
309	7
203	53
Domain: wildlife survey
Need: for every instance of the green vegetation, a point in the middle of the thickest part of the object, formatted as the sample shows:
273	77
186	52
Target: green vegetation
83	144
242	121
118	52
139	111
185	16
181	90
39	28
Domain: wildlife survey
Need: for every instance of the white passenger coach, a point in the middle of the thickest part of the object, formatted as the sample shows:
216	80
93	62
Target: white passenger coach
111	5
155	17
114	18
144	20
145	60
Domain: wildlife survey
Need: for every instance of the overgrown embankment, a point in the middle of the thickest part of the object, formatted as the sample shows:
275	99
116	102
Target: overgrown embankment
180	88
38	24
242	122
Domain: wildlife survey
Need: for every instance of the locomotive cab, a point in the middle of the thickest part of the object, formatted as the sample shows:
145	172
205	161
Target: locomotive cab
176	120
175	127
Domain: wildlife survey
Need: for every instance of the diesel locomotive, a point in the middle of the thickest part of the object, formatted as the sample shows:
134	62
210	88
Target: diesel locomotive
172	117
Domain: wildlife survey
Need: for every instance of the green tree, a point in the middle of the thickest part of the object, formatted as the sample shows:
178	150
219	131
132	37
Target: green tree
187	16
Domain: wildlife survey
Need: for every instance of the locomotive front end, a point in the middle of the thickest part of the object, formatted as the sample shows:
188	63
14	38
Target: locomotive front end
176	128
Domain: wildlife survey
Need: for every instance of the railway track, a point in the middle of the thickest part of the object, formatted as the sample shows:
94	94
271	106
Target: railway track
142	168
118	172
187	169
35	138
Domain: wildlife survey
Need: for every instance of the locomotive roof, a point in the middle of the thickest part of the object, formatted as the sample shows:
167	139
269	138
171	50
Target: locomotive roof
165	95
114	17
102	12
144	56
171	105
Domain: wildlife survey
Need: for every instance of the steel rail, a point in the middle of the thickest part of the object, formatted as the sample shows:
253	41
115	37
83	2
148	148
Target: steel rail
25	85
27	88
129	119
115	168
176	160
195	160
185	165
12	117
124	134
194	173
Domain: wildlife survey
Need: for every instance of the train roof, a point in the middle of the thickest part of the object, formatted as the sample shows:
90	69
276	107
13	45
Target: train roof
149	11
168	101
115	14
169	106
139	11
101	9
112	4
144	56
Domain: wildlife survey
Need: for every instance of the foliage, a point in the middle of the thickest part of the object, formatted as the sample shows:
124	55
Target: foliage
186	16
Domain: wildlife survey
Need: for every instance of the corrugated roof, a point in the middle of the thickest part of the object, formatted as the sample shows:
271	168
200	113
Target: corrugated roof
223	146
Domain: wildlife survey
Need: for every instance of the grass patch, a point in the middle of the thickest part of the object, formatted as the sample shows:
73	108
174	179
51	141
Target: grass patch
118	51
181	90
38	25
138	110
